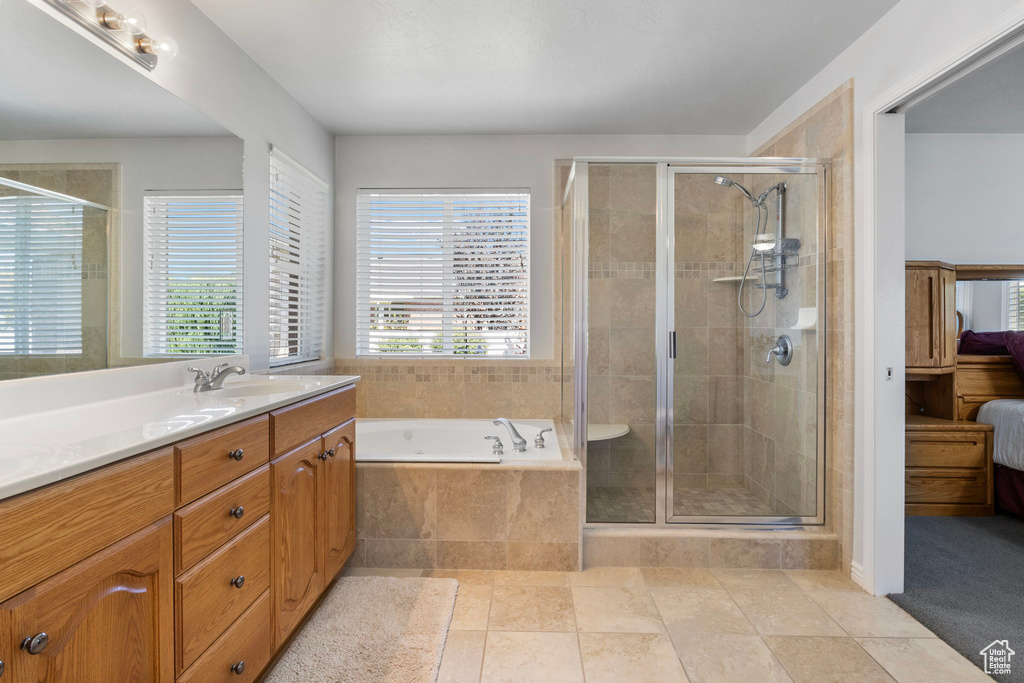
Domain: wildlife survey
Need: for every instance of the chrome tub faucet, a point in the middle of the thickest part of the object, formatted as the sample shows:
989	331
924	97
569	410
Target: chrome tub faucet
518	442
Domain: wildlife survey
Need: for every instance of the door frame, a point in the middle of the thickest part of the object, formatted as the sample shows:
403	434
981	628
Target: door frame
665	327
880	307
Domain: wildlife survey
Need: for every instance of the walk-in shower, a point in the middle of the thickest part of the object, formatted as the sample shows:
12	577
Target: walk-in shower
695	396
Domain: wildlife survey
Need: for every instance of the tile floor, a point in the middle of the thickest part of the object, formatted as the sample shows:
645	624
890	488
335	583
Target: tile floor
630	625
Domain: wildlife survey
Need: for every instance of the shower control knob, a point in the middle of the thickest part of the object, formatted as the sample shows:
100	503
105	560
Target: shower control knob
783	351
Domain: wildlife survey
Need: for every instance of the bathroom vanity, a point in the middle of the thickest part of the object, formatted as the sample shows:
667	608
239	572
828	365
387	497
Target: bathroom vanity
193	560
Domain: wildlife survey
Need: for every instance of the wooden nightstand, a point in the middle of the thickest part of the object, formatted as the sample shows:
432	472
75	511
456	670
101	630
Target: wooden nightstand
948	467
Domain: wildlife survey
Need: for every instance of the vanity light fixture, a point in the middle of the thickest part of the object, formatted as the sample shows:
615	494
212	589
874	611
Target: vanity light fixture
125	29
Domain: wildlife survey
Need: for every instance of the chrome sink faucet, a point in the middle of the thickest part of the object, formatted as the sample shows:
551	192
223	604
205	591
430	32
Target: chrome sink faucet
518	442
209	381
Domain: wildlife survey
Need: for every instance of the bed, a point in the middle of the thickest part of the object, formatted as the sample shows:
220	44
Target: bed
1007	419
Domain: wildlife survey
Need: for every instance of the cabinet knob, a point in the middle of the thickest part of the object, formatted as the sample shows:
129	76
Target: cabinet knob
323	456
2	667
238	668
331	453
236	454
36	644
238	581
237	512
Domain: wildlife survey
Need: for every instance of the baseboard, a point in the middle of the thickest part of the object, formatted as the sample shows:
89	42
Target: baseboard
857	574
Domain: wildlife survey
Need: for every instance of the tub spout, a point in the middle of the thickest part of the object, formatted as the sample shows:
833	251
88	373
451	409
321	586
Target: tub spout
518	442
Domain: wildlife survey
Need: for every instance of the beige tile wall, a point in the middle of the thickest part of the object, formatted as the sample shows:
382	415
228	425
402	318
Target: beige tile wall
467	517
826	131
621	384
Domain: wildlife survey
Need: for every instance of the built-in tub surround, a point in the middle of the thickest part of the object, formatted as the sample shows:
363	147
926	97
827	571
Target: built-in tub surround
398	440
469	516
60	426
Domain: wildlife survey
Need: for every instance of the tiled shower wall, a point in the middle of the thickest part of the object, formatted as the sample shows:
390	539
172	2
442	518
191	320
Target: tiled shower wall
780	432
98	183
621	386
826	131
708	402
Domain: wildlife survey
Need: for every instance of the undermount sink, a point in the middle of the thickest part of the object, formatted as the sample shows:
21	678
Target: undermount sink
259	388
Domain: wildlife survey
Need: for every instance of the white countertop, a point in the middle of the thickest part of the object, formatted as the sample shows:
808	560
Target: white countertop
46	446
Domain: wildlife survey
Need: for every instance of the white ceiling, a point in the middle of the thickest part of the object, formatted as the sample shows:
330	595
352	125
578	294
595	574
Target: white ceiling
543	66
987	100
56	85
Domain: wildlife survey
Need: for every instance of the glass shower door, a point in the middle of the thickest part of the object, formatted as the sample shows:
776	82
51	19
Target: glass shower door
742	391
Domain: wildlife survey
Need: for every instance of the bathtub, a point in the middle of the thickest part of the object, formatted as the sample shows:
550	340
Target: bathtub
423	440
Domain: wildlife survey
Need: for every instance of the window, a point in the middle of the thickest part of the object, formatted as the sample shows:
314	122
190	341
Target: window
1014	305
443	274
192	296
40	276
298	227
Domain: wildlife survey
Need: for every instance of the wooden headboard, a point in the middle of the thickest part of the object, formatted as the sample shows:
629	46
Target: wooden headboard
980	379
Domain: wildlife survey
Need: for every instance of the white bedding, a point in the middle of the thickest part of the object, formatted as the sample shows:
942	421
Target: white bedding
1007	416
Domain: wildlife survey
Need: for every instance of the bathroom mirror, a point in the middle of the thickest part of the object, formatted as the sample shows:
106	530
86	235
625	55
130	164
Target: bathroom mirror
990	298
120	210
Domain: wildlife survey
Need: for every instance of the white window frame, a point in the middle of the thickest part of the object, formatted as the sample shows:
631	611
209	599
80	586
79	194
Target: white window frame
1011	291
447	222
156	343
299	209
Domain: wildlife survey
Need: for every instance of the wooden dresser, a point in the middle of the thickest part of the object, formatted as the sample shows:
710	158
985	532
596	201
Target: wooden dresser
948	467
194	563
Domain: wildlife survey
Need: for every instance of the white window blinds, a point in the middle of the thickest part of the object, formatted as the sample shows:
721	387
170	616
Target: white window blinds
298	229
1014	309
192	299
443	274
40	276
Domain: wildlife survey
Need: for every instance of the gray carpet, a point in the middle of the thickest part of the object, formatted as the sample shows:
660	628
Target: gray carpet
965	582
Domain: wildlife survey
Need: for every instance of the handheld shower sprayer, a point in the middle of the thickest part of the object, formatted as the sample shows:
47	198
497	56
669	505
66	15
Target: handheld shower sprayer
760	204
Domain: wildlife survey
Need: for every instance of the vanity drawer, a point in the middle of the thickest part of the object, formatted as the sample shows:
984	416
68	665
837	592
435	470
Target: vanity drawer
206	600
946	485
215	458
946	449
298	423
203	526
246	641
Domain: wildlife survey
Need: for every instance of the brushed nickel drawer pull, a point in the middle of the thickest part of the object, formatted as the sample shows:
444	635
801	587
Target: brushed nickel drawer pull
238	668
237	512
36	644
236	454
238	581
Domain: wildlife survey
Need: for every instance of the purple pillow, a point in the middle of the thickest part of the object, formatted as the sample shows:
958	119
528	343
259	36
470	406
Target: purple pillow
982	343
1015	345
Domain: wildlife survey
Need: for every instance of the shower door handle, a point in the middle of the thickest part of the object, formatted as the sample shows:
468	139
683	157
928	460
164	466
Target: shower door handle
672	344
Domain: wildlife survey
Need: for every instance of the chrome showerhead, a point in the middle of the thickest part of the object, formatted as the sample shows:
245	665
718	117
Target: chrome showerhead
729	182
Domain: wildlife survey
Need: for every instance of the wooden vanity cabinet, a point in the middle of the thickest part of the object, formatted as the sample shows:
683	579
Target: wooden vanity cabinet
108	618
312	504
195	561
930	316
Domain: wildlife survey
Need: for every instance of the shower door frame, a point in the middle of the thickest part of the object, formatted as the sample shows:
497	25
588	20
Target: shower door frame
666	169
665	326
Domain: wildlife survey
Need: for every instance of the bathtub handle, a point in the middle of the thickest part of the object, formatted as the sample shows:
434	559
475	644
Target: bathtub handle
498	448
539	441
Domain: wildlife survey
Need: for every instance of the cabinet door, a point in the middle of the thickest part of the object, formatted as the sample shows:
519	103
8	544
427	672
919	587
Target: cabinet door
340	498
108	618
296	536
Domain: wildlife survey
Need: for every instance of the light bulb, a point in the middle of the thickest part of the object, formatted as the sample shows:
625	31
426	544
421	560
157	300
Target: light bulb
163	47
130	21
